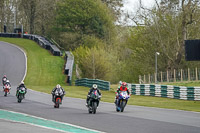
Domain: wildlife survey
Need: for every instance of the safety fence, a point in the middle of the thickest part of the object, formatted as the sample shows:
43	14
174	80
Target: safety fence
103	85
190	74
169	91
69	65
42	41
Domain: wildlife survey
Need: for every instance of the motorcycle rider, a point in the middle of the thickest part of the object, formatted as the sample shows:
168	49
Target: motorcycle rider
4	79
21	85
123	87
8	84
58	87
94	87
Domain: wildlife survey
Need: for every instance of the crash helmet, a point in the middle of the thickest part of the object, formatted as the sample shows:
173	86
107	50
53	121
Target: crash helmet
22	83
58	86
4	76
94	86
124	84
7	81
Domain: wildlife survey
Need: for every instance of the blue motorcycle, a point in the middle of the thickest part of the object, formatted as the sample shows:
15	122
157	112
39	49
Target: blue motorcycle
122	101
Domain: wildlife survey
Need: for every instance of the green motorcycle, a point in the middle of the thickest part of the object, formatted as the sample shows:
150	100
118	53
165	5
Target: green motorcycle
20	94
93	102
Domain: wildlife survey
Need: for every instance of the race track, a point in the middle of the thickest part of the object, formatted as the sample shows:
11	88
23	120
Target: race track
135	119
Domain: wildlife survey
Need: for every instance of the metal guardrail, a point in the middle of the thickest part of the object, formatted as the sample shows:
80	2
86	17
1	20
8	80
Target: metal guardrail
168	91
69	65
103	85
42	41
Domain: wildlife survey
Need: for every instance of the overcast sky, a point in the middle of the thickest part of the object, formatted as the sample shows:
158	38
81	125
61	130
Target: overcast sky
132	5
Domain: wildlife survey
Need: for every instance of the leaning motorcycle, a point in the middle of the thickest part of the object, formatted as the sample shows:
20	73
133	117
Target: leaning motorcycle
93	102
122	101
58	98
20	94
6	89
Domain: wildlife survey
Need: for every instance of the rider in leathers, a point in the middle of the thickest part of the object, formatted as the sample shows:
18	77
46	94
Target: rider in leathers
94	87
123	87
4	79
7	83
54	90
20	86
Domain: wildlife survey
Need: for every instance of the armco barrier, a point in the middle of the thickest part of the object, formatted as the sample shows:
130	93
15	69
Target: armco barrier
69	65
103	85
43	42
168	91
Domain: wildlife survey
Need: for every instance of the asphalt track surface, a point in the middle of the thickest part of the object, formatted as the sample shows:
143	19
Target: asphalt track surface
135	119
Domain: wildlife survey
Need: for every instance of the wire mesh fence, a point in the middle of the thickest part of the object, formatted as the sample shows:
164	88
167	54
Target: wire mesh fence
172	76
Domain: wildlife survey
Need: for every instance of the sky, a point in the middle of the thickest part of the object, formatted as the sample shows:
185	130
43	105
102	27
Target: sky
132	5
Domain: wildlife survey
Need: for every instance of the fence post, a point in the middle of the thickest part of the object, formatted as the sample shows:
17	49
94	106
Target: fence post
167	76
196	74
188	74
155	78
161	80
144	79
181	75
149	79
139	79
174	75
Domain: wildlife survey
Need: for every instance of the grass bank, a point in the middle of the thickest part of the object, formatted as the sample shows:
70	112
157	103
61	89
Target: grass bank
43	68
45	71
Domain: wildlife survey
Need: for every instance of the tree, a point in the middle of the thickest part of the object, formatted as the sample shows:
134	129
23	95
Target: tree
167	25
93	62
89	17
115	6
29	8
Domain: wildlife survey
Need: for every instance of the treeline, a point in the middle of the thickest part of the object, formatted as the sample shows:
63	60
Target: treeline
104	48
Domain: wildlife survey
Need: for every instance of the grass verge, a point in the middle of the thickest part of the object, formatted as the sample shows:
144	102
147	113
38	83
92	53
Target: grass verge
45	71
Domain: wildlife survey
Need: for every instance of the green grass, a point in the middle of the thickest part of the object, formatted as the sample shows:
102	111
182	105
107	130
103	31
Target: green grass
43	68
45	71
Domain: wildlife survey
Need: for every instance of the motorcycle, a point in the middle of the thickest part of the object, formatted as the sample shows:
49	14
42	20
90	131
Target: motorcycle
93	102
20	94
58	98
6	89
122	101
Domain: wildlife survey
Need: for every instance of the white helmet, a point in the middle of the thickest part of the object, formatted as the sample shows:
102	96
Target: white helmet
7	81
94	86
58	86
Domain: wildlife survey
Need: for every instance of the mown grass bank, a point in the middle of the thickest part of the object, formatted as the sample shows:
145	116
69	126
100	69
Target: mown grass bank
43	68
46	70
